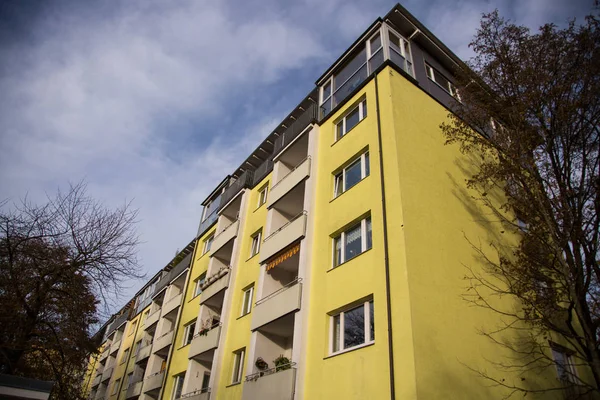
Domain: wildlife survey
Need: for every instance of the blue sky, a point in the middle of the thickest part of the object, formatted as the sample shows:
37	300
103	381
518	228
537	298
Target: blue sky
156	101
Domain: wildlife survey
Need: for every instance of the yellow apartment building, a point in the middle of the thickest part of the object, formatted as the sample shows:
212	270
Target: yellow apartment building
330	264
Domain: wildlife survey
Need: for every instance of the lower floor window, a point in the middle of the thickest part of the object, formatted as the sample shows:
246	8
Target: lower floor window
178	387
353	327
238	365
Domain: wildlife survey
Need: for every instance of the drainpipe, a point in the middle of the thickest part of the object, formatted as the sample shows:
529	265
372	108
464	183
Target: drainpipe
386	252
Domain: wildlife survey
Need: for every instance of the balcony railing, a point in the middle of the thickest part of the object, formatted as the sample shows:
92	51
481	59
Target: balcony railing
274	383
205	340
118	322
284	236
144	352
153	382
208	222
262	171
244	181
282	302
297	127
215	283
223	237
200	394
172	304
152	319
289	181
162	342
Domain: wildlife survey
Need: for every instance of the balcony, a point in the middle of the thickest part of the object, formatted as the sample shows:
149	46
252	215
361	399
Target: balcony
203	394
103	355
214	284
143	353
115	346
290	181
153	383
244	181
275	383
119	320
96	380
172	304
162	342
278	304
283	237
203	343
262	171
224	237
134	390
100	394
296	128
107	374
152	319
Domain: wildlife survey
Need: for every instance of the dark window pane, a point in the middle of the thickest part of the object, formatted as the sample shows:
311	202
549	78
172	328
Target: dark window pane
336	333
350	68
375	61
326	91
353	243
340	130
347	88
352	119
354	327
372	315
367	165
369	234
375	44
338	185
353	175
205	381
395	40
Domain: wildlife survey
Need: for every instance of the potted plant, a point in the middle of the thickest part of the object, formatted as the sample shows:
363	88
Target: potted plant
262	365
282	363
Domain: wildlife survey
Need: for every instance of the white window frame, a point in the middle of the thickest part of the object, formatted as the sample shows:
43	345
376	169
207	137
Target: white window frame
198	283
404	50
368	339
362	114
341	175
237	371
116	387
247	298
178	379
208	243
571	372
431	73
342	238
255	244
369	55
262	196
186	333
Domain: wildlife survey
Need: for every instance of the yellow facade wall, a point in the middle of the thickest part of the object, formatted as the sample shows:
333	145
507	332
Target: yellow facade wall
125	364
190	307
246	272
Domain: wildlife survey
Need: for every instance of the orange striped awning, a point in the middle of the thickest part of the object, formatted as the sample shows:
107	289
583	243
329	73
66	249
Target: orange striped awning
283	256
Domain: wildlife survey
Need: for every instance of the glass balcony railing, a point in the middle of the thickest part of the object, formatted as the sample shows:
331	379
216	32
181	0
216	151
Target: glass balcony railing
308	117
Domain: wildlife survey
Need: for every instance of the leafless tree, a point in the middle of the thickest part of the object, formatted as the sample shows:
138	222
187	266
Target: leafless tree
530	112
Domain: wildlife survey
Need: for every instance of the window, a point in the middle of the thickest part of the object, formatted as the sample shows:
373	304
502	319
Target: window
145	316
352	174
353	327
178	386
238	365
441	81
400	52
352	242
205	382
351	119
247	301
125	356
128	380
565	368
357	66
138	346
116	387
198	285
188	333
207	244
132	328
262	196
255	246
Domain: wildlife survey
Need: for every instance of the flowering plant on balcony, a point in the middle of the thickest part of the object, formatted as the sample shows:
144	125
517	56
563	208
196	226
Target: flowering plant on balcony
215	277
